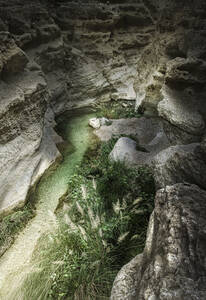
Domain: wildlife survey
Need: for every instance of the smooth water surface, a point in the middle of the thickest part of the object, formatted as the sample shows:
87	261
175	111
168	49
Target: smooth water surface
76	133
16	262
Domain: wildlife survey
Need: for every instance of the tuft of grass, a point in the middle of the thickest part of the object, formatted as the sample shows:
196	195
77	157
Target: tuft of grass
72	264
102	226
12	224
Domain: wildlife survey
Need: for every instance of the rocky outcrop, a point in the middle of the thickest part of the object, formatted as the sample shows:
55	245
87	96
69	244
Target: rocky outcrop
172	265
181	163
27	147
139	139
57	55
27	143
180	112
62	54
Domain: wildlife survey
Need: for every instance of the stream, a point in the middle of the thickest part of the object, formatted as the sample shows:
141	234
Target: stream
15	263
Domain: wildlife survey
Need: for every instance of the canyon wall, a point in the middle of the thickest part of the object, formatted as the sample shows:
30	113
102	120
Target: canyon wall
55	56
59	55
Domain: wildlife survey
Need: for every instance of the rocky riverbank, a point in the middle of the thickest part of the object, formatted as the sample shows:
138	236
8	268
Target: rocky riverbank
56	55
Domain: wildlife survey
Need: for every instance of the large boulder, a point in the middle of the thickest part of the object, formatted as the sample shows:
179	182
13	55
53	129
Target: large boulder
148	131
177	108
140	139
180	163
124	287
172	266
125	151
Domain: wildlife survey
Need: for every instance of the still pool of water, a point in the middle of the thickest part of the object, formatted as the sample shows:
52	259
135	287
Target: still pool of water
73	127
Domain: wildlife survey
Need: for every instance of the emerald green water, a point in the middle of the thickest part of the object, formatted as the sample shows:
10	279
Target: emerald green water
15	263
76	133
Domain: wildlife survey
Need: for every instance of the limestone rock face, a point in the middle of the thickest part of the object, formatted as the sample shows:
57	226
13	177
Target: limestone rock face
177	109
172	265
58	55
26	148
141	139
13	59
23	160
180	163
89	50
27	143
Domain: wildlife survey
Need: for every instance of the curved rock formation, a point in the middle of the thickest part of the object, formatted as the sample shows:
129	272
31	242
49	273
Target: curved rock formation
56	55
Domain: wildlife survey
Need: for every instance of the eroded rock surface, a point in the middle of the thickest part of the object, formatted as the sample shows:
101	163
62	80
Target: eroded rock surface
173	262
57	55
140	139
181	163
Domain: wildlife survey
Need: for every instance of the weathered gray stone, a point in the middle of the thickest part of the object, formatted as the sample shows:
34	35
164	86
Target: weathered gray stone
151	51
180	164
15	61
27	146
179	111
124	150
147	131
124	287
171	267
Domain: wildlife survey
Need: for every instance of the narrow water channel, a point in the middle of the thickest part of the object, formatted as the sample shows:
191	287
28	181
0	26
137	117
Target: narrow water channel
15	262
73	127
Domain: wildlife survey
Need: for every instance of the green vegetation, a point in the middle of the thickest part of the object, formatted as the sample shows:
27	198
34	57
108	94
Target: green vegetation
117	110
12	224
102	225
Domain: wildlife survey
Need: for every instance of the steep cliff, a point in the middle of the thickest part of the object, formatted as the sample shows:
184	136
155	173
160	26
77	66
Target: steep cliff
57	55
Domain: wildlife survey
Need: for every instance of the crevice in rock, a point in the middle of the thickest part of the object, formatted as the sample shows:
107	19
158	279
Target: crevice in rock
60	55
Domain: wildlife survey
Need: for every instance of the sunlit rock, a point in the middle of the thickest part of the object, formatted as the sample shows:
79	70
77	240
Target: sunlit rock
165	270
95	123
